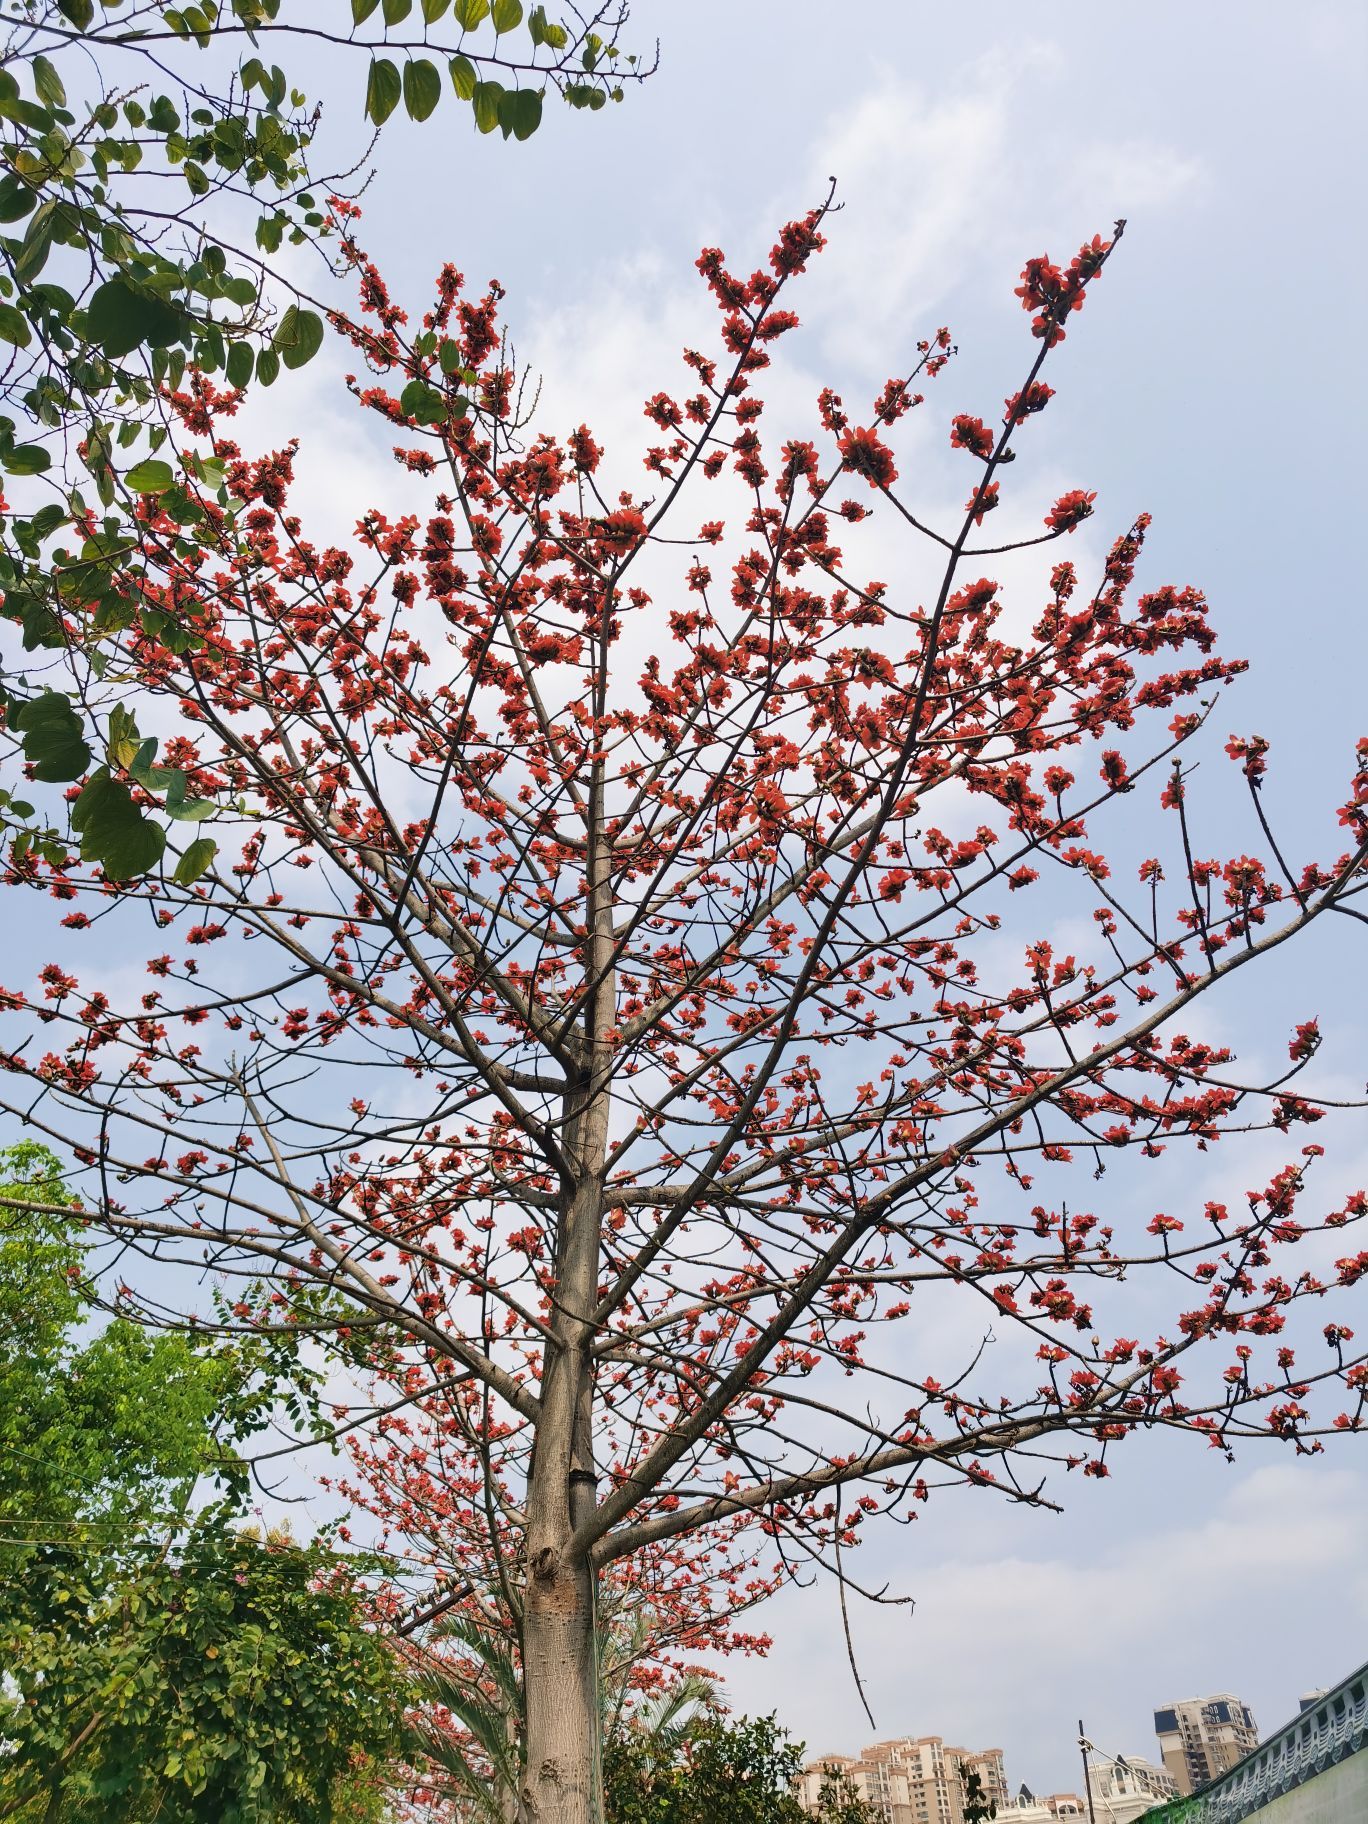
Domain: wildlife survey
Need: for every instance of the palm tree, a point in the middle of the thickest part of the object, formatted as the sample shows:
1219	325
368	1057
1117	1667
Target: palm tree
468	1729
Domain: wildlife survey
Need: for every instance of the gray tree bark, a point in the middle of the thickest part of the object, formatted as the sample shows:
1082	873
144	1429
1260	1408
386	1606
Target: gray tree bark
563	1775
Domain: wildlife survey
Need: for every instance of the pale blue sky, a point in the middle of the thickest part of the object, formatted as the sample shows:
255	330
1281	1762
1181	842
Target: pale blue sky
1216	378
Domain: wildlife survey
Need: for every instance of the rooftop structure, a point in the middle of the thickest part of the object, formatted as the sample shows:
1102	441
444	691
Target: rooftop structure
1035	1808
1200	1737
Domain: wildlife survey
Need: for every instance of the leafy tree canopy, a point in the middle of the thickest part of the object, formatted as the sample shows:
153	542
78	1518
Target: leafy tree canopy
161	1666
744	1770
100	1429
230	1681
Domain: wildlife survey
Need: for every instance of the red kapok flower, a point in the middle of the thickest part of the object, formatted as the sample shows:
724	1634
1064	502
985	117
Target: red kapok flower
862	451
981	502
1070	510
1034	399
971	434
797	243
584	452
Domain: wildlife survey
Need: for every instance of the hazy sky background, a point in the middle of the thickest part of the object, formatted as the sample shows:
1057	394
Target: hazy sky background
1217	379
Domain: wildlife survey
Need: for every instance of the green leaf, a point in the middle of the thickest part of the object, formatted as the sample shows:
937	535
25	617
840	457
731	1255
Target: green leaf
433	10
507	15
384	86
521	112
80	12
486	101
40	624
113	830
362	10
48	83
27	459
423	402
299	337
120	317
396	11
162	116
141	764
14	327
239	365
151	477
126	848
422	88
125	744
267	366
37	243
53	742
190	810
470	13
99	792
195	861
463	77
16	199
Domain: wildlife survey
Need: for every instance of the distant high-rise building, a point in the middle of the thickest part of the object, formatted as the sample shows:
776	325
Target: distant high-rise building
910	1780
1200	1737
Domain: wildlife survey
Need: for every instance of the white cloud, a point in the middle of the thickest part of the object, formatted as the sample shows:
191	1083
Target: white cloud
1008	1644
945	190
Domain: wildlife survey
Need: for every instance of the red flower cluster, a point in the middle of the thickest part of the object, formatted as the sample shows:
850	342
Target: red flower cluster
1031	399
1253	751
894	400
863	452
1052	293
982	501
1070	510
1305	1042
800	459
584	452
971	434
797	243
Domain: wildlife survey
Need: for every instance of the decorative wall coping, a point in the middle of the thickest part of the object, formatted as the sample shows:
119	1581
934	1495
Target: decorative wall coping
1332	1729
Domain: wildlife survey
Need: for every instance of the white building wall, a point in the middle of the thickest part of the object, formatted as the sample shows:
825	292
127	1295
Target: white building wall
1337	1796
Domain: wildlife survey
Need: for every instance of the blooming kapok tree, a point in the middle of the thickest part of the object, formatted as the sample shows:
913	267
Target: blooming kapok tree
621	982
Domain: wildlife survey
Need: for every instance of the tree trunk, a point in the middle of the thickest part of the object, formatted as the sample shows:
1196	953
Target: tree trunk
562	1777
562	1783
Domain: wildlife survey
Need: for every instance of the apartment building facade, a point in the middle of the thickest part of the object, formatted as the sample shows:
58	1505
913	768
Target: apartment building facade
911	1780
1200	1738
